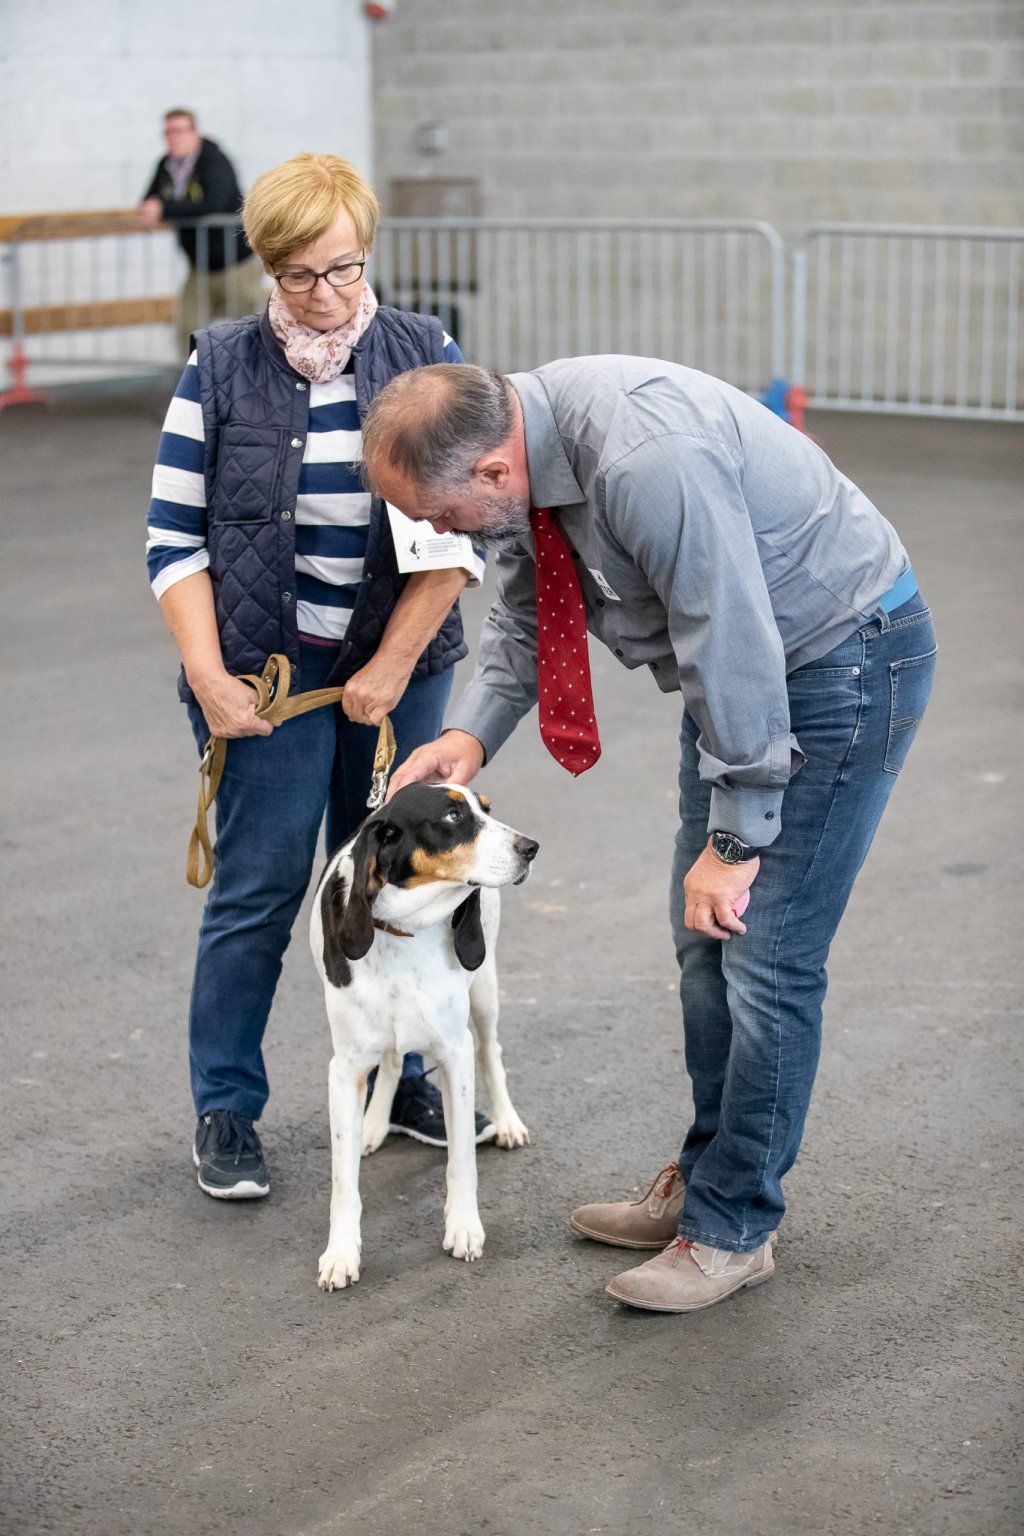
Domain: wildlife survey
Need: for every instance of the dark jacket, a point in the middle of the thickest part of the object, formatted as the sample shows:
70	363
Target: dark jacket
212	188
255	417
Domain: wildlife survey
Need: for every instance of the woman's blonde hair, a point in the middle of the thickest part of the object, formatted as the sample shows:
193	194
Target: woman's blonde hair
296	202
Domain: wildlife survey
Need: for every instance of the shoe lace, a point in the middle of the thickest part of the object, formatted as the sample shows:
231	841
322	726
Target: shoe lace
233	1132
661	1184
421	1091
680	1244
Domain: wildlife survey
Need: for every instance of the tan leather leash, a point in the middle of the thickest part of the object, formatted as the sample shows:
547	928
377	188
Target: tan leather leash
274	703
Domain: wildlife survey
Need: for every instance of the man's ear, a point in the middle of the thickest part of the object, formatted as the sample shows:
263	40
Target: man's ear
493	469
468	930
356	930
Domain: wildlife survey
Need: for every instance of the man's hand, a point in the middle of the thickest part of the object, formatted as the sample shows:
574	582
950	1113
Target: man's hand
373	691
712	891
150	212
229	706
456	756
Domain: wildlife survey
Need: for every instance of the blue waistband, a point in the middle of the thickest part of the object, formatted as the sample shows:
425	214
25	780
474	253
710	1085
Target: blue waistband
900	592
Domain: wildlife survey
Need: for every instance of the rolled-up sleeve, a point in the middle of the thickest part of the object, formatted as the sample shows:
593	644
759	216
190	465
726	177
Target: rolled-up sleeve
503	687
676	506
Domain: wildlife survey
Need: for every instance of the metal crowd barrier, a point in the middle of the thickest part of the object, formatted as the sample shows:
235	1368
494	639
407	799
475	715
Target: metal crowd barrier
909	319
892	318
517	292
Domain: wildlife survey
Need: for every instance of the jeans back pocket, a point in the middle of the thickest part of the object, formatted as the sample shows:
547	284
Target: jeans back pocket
910	683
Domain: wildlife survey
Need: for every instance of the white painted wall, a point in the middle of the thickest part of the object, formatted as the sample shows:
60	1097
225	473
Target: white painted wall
84	85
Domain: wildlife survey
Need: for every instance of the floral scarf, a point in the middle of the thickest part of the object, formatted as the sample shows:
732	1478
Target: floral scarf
320	355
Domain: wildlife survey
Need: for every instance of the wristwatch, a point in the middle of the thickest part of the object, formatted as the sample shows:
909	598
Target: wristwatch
730	848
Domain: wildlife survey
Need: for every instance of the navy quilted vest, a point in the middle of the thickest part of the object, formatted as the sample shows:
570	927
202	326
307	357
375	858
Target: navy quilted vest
255	416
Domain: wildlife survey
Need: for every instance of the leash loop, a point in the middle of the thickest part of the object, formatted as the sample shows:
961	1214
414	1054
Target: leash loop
275	703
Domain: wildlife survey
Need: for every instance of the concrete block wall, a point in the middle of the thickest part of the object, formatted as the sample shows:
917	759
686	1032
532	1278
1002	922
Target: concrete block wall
794	111
83	88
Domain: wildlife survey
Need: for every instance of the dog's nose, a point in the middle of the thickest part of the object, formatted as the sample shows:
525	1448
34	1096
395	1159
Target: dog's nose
526	848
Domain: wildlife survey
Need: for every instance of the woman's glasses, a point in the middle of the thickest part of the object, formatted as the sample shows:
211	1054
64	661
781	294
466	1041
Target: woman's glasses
301	280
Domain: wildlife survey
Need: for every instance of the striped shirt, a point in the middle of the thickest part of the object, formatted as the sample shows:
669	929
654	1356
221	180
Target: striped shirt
332	512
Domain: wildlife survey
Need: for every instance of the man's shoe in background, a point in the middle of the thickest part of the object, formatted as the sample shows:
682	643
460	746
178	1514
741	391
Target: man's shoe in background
649	1222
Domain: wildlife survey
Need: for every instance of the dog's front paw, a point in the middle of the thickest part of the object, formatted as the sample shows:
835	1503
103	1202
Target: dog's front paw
511	1131
464	1238
338	1268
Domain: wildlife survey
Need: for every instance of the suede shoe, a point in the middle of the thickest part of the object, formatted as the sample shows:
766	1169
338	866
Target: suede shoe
649	1222
690	1276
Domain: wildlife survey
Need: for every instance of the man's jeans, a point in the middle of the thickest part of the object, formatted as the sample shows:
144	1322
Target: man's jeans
752	1006
269	807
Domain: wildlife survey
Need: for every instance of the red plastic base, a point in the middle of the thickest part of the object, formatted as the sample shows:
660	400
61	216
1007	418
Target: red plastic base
19	392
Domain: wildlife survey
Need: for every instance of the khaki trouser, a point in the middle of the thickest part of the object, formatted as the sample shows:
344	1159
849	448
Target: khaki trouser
238	290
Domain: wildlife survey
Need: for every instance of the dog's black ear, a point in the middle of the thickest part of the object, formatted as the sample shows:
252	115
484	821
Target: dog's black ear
332	911
355	932
470	948
485	803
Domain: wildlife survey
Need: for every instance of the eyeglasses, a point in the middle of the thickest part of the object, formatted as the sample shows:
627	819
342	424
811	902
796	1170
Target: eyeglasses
300	280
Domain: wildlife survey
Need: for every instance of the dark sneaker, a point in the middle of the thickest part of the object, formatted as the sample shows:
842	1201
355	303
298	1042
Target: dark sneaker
229	1157
418	1112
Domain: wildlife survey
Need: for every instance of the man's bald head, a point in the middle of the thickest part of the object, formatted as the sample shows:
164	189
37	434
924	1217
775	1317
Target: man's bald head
434	424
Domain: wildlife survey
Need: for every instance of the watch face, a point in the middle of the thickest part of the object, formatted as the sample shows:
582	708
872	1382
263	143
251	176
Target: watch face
729	848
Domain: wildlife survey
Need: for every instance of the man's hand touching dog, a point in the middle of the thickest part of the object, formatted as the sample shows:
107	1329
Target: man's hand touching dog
455	757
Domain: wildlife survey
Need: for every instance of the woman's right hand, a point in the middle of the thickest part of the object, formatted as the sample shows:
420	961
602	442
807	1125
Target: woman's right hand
229	706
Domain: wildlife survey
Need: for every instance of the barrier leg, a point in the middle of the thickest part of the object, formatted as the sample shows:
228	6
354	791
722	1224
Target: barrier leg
18	391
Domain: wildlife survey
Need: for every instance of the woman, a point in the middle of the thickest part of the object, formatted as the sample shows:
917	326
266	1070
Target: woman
261	539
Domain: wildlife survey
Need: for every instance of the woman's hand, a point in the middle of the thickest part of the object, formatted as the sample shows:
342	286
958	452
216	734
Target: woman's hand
456	756
373	691
229	706
713	890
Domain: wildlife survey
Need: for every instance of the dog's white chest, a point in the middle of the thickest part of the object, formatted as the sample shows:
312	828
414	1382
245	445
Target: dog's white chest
407	994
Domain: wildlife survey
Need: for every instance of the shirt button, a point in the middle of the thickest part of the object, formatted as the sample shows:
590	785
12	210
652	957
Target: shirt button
654	666
285	515
769	815
600	602
296	442
617	651
300	385
286	597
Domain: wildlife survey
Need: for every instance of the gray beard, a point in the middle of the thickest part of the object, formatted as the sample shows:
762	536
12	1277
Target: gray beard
508	522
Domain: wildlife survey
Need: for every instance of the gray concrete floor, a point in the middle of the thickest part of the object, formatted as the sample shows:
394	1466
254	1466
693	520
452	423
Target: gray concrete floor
172	1366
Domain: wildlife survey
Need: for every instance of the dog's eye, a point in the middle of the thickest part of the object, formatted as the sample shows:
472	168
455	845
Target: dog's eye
452	815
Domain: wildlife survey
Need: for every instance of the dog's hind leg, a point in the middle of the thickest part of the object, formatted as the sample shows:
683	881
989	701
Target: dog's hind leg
463	1231
377	1119
339	1262
483	1007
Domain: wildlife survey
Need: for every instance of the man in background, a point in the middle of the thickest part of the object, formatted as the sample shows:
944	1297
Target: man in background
195	178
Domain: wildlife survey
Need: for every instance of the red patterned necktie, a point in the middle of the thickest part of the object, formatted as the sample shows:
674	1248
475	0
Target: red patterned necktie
565	698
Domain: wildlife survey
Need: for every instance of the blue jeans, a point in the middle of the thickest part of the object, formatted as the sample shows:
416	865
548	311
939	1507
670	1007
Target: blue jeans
271	802
752	1006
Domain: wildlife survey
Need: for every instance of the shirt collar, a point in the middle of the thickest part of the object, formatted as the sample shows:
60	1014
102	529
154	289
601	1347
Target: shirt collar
552	482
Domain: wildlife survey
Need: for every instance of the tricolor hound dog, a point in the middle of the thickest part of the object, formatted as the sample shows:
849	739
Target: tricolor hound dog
403	931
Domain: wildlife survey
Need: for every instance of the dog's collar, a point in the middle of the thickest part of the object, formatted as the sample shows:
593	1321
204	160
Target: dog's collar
399	933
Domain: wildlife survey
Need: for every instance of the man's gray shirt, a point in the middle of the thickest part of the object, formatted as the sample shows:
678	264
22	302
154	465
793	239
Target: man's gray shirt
715	544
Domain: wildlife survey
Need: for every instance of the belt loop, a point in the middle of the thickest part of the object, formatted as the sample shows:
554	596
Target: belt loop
884	621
